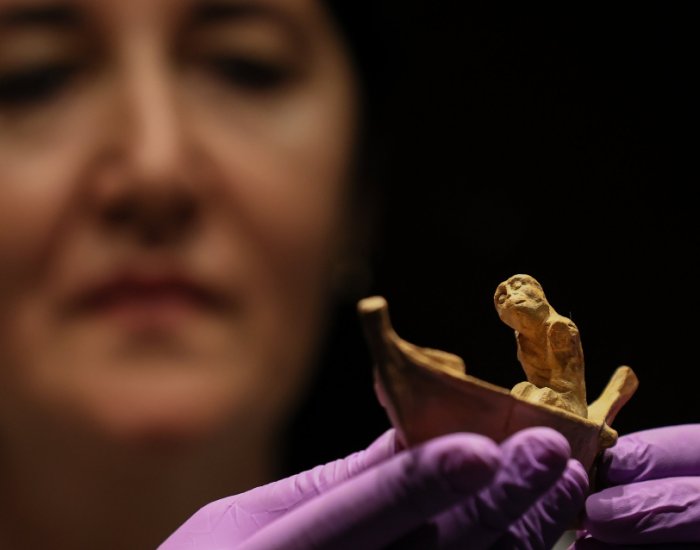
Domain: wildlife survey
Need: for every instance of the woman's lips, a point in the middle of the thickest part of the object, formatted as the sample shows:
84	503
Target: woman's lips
149	302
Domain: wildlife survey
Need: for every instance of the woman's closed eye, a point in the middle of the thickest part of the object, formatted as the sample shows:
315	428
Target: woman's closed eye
251	74
34	84
254	56
37	65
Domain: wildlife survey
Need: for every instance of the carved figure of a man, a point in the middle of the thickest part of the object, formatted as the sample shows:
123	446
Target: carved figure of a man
549	347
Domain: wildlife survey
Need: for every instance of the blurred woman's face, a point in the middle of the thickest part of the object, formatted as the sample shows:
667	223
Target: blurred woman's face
172	178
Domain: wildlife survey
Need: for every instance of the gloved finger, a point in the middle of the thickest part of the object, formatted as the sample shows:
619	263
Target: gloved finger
545	522
379	505
285	494
655	511
540	527
589	543
652	454
237	517
533	461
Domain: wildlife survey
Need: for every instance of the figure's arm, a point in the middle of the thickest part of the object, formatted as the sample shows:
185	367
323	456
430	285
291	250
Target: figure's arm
621	387
564	337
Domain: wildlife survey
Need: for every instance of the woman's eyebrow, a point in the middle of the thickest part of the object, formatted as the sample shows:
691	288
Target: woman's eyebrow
215	10
51	15
222	11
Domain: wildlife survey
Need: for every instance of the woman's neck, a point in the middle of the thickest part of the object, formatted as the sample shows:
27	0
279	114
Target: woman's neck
62	494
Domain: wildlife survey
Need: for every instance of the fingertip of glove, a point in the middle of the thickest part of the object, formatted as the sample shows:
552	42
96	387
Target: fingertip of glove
465	461
386	444
382	448
577	479
577	472
542	445
629	460
600	517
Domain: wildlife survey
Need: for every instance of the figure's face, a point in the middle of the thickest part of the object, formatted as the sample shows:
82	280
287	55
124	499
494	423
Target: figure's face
520	302
172	177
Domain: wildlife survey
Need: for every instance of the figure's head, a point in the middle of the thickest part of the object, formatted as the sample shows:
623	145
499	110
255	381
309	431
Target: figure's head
520	303
173	182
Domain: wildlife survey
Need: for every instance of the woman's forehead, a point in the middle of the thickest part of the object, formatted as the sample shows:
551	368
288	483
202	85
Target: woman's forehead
65	12
171	4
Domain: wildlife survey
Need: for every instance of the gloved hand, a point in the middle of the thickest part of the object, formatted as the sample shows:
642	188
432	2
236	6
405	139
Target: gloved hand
459	490
653	494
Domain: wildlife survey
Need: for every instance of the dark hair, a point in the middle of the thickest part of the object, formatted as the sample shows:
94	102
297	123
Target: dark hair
358	22
362	25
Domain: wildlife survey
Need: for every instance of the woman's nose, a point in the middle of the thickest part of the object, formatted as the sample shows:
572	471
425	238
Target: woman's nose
154	136
147	187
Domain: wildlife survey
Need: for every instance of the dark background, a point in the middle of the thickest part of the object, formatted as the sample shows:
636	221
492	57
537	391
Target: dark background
562	146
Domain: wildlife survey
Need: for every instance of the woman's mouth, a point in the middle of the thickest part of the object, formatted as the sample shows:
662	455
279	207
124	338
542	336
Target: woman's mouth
149	301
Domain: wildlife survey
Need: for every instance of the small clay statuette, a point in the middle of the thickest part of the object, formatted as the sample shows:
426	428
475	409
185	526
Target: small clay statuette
549	347
427	392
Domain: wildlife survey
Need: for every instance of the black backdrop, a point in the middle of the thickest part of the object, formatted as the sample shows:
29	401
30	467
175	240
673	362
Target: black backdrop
562	146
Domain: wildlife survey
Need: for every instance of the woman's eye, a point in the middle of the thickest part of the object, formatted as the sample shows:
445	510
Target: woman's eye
252	74
29	86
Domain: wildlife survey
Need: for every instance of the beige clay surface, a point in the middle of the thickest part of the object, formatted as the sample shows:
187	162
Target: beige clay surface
549	346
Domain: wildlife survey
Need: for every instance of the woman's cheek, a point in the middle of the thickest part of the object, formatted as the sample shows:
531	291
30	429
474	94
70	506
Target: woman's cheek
43	164
285	200
28	217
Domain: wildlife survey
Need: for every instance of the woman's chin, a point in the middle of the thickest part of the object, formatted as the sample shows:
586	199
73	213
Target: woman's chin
163	410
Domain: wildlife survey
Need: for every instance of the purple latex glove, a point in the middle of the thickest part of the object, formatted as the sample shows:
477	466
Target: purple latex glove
653	494
459	490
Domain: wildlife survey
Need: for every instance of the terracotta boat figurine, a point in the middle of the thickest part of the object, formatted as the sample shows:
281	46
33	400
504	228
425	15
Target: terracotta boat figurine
427	392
